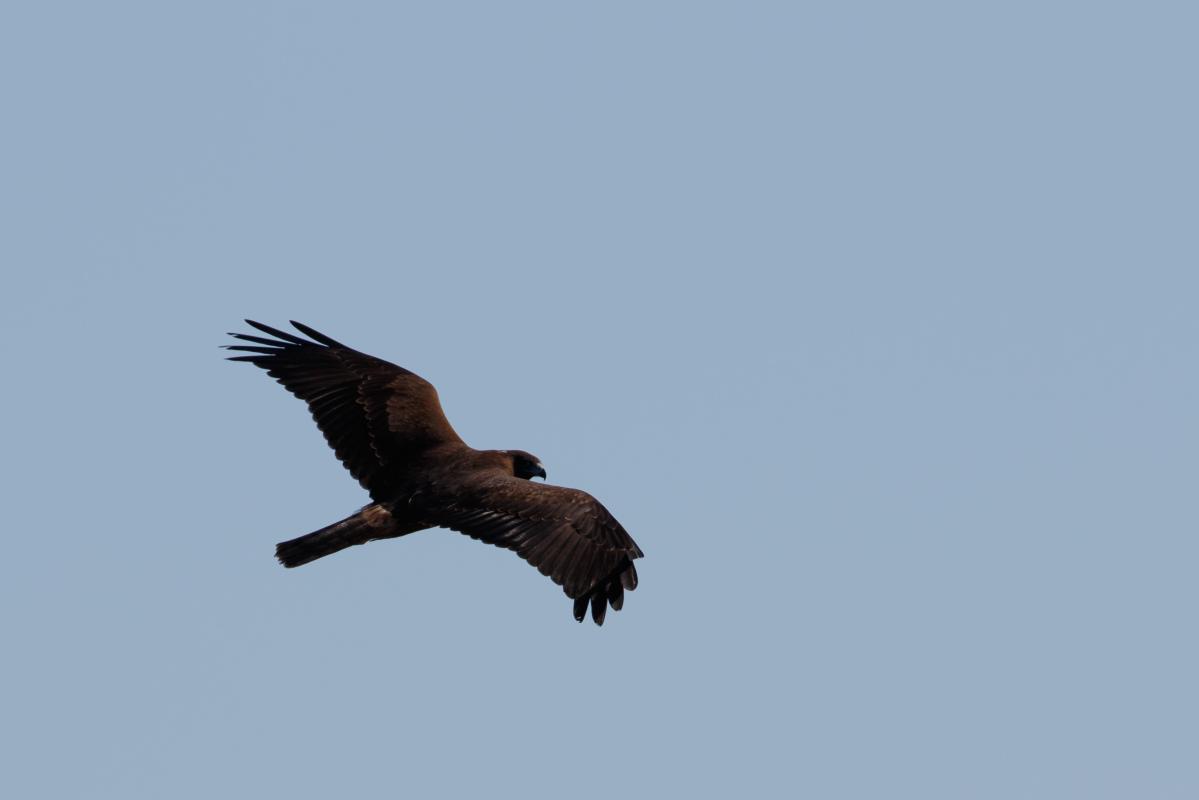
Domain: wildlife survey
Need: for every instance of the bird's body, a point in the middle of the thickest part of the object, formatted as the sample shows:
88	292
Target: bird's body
387	427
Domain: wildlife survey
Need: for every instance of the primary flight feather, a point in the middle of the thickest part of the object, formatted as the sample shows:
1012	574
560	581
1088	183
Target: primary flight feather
386	426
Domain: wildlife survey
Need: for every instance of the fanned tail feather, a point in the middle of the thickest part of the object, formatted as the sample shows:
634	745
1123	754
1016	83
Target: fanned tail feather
372	522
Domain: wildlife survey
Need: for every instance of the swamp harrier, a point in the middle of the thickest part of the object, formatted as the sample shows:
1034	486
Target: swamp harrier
387	427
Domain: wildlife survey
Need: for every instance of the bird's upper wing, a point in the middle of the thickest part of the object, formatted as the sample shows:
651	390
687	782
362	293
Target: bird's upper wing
374	414
566	533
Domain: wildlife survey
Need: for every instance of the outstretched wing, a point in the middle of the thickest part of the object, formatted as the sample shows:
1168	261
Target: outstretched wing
374	414
567	534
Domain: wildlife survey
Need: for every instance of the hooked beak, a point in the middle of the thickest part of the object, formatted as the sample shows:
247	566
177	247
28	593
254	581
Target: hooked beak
540	471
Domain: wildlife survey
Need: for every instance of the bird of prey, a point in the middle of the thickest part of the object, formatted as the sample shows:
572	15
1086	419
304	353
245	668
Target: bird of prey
386	426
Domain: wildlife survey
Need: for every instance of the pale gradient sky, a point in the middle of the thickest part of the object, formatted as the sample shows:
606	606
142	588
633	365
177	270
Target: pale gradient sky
874	323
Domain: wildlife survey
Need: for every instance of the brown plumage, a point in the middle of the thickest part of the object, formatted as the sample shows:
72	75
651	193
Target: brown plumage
387	427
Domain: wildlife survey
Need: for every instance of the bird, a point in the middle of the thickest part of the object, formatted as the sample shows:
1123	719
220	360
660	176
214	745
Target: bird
386	426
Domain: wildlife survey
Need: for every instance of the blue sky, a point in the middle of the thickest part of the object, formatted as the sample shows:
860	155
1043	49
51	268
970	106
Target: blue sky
873	323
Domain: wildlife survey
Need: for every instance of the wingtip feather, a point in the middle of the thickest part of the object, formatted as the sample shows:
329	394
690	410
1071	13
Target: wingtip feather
616	595
284	335
628	578
599	605
314	334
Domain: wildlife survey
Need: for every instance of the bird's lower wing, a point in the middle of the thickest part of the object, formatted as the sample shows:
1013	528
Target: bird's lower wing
566	534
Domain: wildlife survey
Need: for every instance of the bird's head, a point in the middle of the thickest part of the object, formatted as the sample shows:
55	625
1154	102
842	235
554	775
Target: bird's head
525	465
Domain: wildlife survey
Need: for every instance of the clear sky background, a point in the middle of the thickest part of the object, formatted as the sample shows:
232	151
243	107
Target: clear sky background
875	323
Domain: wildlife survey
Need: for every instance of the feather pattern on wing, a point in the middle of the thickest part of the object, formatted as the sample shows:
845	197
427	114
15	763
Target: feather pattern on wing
566	534
374	414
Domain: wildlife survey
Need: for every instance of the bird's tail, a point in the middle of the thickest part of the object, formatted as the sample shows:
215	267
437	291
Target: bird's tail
372	522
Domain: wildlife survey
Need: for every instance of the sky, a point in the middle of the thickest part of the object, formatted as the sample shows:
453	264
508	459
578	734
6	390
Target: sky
874	323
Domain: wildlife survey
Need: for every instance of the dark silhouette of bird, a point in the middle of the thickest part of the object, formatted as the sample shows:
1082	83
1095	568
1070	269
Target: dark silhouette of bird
386	426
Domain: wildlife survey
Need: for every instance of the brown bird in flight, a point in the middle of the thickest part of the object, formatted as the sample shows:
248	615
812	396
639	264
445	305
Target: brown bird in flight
387	427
